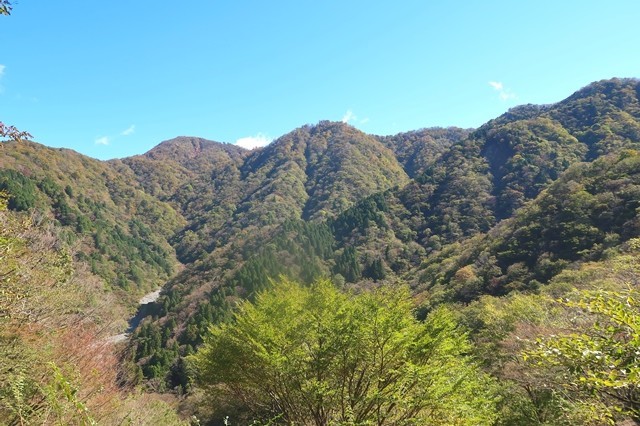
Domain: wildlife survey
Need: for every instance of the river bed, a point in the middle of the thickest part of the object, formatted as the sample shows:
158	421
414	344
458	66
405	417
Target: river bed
140	314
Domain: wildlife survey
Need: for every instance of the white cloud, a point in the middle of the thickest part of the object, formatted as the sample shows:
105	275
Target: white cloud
104	140
503	93
129	131
348	116
507	94
251	142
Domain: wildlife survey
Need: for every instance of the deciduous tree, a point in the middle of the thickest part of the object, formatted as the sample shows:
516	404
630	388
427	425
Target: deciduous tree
316	356
602	361
11	132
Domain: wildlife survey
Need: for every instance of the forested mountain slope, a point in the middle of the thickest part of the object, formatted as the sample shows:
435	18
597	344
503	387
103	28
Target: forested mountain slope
591	208
419	149
178	169
413	233
496	170
454	213
272	222
511	159
200	179
335	163
120	230
57	363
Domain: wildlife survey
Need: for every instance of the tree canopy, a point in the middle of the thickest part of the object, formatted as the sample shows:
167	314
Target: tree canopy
317	356
599	365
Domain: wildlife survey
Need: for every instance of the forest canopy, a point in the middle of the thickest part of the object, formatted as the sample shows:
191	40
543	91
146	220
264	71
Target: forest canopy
316	355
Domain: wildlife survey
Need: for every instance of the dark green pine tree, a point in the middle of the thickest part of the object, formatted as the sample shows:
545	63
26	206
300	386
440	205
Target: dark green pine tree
347	265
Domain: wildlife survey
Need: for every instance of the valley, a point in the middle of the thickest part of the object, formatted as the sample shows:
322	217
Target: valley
507	238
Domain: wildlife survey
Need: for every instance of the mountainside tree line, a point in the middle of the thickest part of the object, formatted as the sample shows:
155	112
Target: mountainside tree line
490	222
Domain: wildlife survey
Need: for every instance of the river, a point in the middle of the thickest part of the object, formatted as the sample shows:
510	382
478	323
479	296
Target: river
143	306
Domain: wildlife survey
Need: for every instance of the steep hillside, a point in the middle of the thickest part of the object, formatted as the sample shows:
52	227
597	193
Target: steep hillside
200	179
308	174
119	229
419	149
419	232
454	213
178	169
509	160
224	192
57	363
591	208
496	170
491	176
324	169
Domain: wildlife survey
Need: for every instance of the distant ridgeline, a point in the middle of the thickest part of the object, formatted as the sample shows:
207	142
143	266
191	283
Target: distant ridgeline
453	213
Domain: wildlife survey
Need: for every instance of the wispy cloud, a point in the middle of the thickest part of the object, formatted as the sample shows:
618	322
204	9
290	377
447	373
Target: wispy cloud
251	142
507	94
503	92
129	130
103	140
106	140
348	116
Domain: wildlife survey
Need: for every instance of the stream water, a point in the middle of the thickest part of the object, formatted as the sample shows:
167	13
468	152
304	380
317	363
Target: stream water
143	310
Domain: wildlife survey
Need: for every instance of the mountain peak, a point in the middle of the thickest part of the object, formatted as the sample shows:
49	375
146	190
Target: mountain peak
328	124
189	147
608	87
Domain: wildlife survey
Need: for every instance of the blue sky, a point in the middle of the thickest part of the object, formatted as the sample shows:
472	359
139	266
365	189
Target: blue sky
112	79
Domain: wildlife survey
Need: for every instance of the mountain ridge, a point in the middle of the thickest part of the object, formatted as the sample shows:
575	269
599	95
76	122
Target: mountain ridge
330	200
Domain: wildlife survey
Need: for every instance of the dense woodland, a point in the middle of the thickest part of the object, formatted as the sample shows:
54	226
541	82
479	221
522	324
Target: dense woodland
440	276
